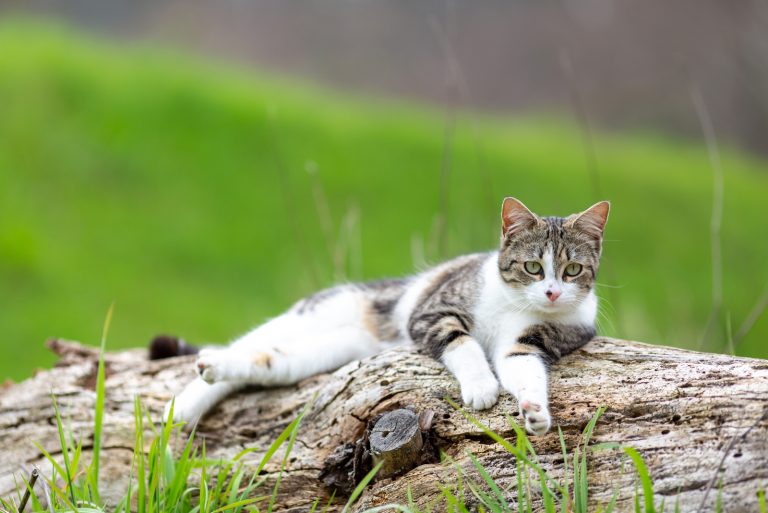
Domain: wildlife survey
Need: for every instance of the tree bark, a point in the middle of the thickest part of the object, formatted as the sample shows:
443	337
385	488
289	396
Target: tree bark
699	420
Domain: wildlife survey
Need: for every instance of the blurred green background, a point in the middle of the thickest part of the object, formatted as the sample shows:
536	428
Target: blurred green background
204	197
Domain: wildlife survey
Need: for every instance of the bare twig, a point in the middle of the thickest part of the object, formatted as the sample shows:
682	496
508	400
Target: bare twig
30	486
348	249
716	221
321	206
453	82
341	250
754	315
291	205
726	452
729	335
355	236
580	111
418	252
459	89
590	154
445	177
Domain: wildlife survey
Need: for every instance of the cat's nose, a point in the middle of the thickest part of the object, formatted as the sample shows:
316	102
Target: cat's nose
552	295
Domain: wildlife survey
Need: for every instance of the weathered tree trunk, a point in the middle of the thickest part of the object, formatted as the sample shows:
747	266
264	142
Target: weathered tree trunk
687	413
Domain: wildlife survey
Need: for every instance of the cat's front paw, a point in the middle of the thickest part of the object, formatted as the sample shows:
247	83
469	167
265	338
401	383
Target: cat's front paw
480	394
536	415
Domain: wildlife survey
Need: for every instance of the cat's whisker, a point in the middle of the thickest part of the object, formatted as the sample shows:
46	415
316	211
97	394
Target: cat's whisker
511	307
605	303
603	317
588	242
609	286
602	320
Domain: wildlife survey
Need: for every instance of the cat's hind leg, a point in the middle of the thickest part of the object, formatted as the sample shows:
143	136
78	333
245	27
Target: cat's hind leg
197	398
335	329
288	361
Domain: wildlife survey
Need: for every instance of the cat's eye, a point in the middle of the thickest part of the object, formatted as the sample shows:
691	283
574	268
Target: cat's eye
573	269
532	267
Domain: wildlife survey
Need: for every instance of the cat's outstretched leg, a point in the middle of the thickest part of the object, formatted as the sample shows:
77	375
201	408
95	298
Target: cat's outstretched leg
523	366
197	399
523	373
289	361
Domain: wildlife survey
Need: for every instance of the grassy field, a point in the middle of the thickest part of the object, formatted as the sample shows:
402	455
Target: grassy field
201	200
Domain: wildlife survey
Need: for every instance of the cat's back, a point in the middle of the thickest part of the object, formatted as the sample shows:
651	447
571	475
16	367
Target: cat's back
384	307
457	282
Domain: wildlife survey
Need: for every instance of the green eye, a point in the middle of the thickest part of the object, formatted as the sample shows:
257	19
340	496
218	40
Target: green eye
573	269
532	267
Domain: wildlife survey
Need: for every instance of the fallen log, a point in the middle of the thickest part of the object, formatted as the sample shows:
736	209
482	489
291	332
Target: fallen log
699	420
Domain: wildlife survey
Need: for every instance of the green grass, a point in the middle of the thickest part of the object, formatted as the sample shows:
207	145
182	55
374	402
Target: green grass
160	481
202	200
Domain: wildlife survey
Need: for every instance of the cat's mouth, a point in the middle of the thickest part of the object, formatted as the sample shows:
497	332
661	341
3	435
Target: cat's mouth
551	307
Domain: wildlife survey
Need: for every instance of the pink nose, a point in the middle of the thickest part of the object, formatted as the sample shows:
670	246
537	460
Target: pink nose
552	295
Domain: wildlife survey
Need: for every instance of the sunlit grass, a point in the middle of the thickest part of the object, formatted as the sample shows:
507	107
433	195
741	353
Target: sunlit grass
160	481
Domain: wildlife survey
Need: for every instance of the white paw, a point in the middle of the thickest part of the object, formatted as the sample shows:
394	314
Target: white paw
536	415
209	366
481	393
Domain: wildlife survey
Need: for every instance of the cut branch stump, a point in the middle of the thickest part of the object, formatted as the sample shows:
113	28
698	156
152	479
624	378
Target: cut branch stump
396	443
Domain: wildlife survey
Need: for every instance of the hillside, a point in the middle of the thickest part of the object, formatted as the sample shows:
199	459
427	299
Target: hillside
186	192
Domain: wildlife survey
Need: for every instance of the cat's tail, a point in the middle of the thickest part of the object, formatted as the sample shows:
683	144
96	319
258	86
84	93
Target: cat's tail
167	346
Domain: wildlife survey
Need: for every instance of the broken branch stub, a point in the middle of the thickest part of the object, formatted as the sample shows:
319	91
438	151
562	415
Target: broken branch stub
396	443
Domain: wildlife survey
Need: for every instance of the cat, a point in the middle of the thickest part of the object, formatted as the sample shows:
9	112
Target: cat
516	310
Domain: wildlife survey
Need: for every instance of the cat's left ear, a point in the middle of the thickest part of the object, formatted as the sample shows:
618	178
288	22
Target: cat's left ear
592	220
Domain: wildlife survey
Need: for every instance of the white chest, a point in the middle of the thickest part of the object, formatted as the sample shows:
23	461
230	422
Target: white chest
497	325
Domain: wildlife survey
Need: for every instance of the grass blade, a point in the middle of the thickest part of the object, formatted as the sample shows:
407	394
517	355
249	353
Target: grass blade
64	450
500	503
294	428
240	503
566	498
518	453
98	419
138	455
645	478
277	443
360	487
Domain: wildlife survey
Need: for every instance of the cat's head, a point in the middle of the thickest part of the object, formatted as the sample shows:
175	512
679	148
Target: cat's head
550	262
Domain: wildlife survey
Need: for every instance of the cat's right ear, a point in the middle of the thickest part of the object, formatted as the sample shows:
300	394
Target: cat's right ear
516	217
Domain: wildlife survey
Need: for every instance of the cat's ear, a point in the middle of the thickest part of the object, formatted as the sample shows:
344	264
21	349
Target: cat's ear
516	217
592	220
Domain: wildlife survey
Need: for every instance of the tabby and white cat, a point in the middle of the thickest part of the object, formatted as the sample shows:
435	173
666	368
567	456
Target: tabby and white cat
516	311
